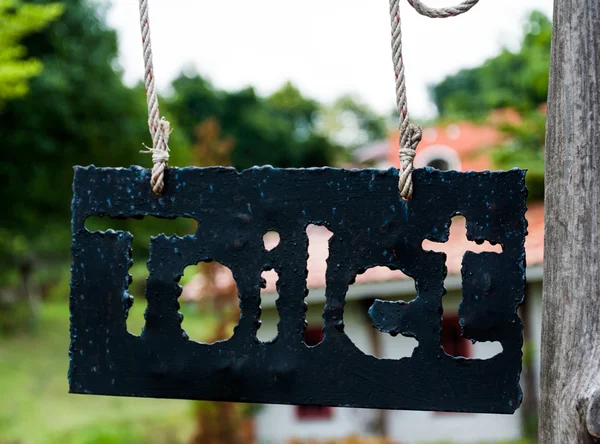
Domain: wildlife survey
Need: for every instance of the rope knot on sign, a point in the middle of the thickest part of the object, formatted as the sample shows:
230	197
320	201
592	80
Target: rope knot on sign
410	139
410	135
160	152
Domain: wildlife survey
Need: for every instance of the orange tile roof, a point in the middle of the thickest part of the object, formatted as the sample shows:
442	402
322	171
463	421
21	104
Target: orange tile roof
467	139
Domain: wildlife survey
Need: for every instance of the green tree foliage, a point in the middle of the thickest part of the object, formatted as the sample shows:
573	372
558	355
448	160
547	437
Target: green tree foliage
18	20
516	80
278	130
78	112
352	123
524	149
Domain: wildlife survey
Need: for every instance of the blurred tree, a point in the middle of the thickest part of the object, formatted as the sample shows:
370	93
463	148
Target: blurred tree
352	123
277	130
210	148
194	101
516	80
223	423
78	112
299	111
18	20
525	149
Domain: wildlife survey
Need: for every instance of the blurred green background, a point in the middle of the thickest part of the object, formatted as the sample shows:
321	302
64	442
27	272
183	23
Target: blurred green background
63	102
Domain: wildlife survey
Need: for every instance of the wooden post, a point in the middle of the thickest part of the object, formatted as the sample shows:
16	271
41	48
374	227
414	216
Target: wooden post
570	383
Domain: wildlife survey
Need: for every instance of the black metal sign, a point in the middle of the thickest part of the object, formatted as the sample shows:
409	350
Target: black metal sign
371	225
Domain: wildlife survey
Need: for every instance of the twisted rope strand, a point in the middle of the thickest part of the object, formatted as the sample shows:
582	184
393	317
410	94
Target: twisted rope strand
410	134
160	129
451	11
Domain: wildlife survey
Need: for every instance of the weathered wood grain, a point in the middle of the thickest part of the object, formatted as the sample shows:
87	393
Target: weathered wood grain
571	314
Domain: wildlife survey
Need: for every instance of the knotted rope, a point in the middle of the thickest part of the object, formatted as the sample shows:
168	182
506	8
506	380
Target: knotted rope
160	129
410	134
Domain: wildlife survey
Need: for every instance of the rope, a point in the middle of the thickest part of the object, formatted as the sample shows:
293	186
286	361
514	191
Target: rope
160	129
410	134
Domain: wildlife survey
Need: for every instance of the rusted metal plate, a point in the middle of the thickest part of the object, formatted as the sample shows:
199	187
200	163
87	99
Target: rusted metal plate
371	225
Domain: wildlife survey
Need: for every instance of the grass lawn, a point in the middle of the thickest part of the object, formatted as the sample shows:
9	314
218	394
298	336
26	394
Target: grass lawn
35	406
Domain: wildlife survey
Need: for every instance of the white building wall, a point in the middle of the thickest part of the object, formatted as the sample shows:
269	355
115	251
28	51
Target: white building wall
459	428
279	424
